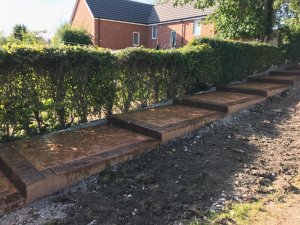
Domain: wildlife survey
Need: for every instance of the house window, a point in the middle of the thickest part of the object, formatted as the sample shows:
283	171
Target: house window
136	39
173	39
197	27
154	32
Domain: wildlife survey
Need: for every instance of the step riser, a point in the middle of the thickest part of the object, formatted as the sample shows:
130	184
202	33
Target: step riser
135	128
275	81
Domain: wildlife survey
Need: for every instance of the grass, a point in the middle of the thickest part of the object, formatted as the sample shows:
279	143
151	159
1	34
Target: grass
259	212
237	213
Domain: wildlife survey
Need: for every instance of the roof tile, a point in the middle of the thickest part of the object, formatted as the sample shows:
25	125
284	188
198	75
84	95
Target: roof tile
137	12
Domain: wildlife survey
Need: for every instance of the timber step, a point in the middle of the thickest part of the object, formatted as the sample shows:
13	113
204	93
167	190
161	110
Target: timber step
168	122
296	67
221	101
43	165
278	79
286	72
10	197
255	88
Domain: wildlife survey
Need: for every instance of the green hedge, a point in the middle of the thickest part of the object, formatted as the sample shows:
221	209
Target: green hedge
43	89
237	60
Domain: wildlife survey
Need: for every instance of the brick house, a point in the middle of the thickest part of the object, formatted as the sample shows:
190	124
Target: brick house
118	24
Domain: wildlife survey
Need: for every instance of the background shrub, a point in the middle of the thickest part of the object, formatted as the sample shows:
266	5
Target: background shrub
43	89
69	35
289	43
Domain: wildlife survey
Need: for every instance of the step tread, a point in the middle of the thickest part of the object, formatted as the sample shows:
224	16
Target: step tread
221	101
164	121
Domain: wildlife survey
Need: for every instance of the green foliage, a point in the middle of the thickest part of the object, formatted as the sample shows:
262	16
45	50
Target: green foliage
44	88
248	19
18	31
239	19
21	35
289	42
50	88
236	60
69	35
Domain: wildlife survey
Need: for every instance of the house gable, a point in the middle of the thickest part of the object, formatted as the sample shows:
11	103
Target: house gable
82	17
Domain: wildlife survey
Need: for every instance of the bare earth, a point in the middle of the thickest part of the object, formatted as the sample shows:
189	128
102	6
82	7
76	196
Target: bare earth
245	157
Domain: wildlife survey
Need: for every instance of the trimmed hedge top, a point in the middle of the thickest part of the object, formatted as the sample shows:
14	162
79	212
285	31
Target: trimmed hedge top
44	89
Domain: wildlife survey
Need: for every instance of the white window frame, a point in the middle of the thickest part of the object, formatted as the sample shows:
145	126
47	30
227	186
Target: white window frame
200	28
154	26
139	35
171	38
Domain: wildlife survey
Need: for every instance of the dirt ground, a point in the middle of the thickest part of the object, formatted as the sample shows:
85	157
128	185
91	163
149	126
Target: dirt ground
242	158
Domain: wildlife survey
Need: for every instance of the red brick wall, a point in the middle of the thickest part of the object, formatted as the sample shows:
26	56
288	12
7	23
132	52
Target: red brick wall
117	35
83	17
184	31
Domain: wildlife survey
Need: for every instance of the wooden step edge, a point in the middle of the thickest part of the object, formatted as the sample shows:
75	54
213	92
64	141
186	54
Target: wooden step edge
287	72
232	89
143	129
270	80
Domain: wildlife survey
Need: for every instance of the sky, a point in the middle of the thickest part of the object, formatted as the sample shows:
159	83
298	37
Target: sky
36	15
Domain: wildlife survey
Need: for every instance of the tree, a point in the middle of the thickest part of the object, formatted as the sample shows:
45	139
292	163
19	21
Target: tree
21	35
247	19
66	34
18	31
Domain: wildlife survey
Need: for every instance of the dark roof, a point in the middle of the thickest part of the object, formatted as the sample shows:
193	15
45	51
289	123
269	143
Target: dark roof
137	12
123	10
167	12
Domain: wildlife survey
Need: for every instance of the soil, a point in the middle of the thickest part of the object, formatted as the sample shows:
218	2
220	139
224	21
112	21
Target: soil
243	157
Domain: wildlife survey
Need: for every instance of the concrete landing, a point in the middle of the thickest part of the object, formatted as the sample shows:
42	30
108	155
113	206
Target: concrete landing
221	101
255	88
278	79
166	123
10	197
44	165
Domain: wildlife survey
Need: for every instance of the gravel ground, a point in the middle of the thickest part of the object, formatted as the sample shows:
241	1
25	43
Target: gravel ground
243	157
